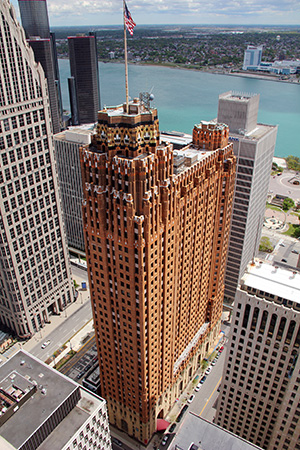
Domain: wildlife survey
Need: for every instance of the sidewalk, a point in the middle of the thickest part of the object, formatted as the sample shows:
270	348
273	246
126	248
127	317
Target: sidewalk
55	321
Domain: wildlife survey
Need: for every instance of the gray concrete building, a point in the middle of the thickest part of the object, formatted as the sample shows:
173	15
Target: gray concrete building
43	409
35	277
197	433
260	396
67	144
253	146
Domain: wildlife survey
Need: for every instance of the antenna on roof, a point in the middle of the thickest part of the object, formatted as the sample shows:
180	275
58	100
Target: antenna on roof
145	99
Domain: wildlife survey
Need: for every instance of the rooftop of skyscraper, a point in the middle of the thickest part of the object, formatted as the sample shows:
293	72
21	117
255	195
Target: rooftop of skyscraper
266	278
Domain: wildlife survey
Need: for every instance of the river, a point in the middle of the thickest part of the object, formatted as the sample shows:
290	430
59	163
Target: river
185	97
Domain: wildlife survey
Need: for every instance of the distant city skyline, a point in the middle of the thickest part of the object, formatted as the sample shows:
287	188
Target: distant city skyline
88	12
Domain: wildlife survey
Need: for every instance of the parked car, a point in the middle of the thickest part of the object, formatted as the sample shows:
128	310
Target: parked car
117	442
221	349
197	388
213	362
208	370
180	415
172	427
45	344
203	379
165	439
191	398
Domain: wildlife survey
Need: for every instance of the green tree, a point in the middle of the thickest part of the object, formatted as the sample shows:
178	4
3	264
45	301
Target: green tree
293	162
288	203
265	245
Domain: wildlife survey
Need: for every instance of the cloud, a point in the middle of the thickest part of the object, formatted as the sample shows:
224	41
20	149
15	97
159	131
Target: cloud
66	12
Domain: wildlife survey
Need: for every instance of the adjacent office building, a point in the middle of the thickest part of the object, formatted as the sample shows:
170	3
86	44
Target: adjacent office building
260	397
35	278
34	16
84	82
156	226
66	145
41	408
253	146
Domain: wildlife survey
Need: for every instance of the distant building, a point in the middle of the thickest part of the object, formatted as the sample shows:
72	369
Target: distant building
35	277
260	396
252	57
34	16
253	61
156	225
197	433
66	145
253	146
41	408
84	83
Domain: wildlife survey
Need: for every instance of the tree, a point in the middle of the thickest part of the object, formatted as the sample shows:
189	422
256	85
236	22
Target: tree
265	245
288	203
293	162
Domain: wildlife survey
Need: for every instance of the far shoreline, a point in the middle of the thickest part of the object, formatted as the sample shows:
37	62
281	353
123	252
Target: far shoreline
212	71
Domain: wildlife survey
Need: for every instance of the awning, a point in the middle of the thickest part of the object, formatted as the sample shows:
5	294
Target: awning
162	425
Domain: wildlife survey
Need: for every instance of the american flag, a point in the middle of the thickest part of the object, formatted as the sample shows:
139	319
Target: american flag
129	22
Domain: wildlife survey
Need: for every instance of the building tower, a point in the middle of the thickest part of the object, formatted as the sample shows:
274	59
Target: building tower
84	83
260	397
34	16
252	57
35	277
156	225
66	145
253	146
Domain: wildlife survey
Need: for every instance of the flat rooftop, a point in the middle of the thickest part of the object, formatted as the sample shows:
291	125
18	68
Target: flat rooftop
52	389
207	435
256	134
274	280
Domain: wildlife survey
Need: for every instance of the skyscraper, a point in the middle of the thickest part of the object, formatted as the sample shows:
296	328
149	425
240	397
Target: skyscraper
67	144
156	225
253	146
34	16
35	278
84	83
260	397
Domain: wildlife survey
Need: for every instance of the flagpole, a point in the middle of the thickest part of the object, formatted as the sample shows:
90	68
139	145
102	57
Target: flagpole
126	63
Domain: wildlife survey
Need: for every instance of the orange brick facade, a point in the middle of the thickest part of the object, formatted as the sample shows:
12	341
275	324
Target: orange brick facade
156	241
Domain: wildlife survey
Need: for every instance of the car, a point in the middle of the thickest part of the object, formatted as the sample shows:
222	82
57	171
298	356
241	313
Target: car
203	379
45	344
284	260
80	375
117	442
221	349
172	427
191	398
295	251
197	388
219	388
282	244
208	370
213	362
180	415
165	439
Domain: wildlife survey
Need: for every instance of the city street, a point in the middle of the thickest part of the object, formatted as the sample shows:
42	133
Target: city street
69	326
281	185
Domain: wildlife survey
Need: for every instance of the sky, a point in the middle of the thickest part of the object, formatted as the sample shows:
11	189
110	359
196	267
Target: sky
146	12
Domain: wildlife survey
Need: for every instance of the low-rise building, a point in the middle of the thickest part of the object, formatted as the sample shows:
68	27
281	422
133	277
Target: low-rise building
43	409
